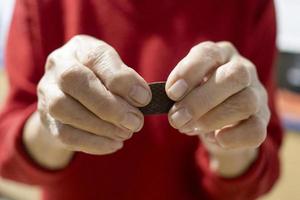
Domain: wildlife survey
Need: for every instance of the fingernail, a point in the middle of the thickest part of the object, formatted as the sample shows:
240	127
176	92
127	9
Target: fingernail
131	122
178	89
181	117
139	94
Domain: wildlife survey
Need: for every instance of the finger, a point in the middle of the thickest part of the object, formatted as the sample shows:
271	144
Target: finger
248	134
118	78
69	111
200	61
233	110
83	85
225	82
78	140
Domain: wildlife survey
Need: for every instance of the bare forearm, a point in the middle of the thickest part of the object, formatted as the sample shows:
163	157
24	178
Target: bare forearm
234	163
41	146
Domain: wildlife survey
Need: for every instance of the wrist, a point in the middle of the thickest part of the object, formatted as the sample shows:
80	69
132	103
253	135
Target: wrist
231	164
42	147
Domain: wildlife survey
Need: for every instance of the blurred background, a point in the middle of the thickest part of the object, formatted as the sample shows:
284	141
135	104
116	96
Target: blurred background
288	102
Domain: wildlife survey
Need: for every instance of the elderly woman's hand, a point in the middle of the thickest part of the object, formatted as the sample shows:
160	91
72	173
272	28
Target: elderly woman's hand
87	101
220	98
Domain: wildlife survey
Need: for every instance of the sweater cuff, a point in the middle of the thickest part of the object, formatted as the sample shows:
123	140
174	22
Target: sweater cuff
254	182
18	165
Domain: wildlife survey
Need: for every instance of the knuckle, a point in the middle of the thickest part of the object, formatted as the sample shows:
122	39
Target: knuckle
228	45
210	52
259	132
249	101
210	46
202	46
186	65
41	86
123	77
77	38
239	74
268	113
52	59
75	77
56	104
69	76
250	65
99	54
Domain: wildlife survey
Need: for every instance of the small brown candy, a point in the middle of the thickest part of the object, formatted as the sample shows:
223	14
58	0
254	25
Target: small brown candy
160	102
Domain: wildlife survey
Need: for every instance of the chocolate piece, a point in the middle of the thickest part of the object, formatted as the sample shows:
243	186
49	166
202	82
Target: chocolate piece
160	102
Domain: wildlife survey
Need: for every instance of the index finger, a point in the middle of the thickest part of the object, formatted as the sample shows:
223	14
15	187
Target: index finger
117	77
200	61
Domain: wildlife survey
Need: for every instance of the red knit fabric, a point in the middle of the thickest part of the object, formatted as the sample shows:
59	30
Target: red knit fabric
151	36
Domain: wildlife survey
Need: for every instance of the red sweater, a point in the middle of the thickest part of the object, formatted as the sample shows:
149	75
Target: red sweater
151	36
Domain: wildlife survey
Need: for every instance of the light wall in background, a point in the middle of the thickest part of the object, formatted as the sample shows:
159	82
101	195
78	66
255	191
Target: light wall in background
288	17
6	7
